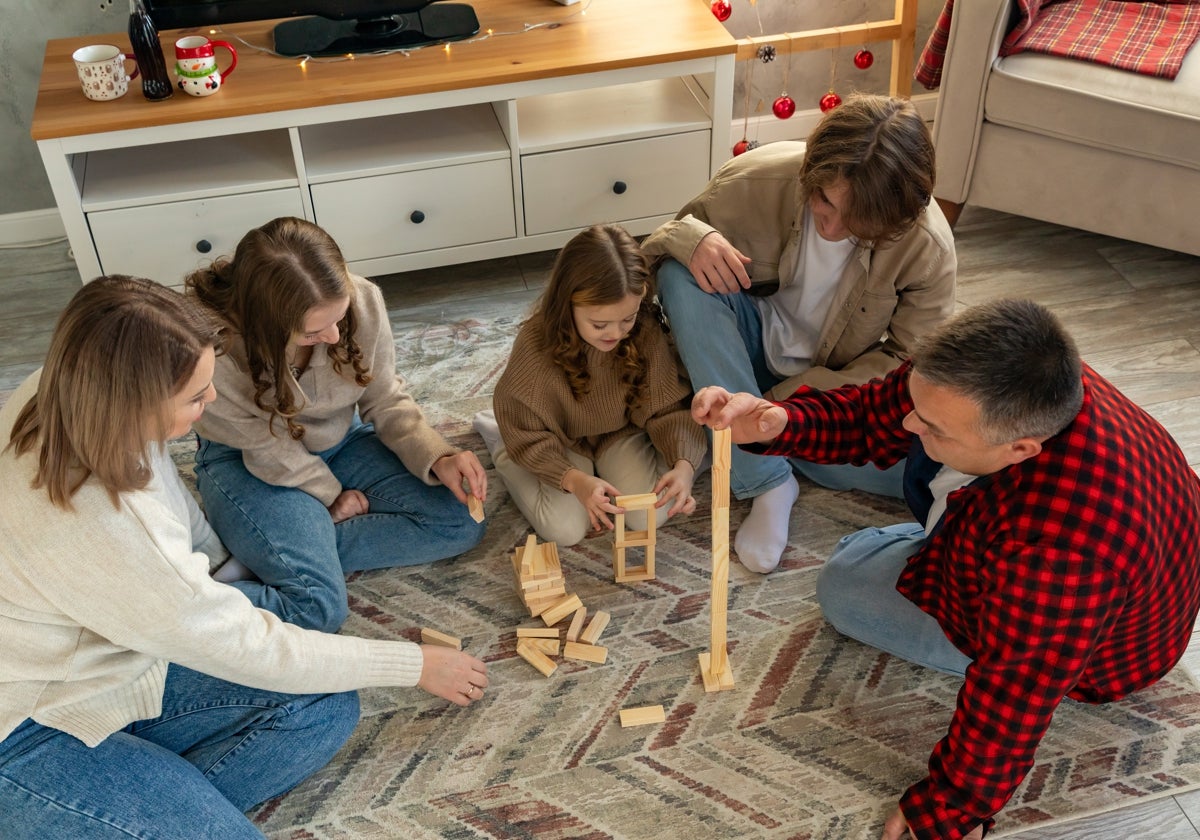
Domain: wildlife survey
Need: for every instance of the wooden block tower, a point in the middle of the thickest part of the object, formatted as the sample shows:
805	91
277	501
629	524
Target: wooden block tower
714	665
623	539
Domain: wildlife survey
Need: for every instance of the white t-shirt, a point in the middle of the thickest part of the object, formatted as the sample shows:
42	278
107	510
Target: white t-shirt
943	484
792	317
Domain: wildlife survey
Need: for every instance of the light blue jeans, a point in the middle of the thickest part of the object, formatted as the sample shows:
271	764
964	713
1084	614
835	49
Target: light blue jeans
288	539
719	338
856	589
217	750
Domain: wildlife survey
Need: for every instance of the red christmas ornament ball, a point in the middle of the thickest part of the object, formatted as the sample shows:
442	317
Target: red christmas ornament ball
863	59
784	107
740	147
721	9
830	101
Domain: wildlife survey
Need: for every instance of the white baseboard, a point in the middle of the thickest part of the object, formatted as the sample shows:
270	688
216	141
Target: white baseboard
768	128
31	226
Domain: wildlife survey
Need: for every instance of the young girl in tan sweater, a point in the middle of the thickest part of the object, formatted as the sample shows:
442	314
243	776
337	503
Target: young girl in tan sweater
592	404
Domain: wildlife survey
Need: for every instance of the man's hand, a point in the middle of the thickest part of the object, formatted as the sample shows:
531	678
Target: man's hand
594	494
453	470
348	503
452	674
718	267
751	419
897	828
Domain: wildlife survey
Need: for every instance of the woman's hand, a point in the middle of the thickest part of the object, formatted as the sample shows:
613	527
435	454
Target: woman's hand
675	488
453	470
452	674
348	503
718	267
593	493
751	419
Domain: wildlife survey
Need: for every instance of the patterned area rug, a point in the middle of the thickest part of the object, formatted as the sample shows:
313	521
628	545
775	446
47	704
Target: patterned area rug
818	740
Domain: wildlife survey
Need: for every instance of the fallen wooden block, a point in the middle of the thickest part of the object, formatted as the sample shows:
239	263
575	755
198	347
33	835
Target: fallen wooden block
537	633
595	628
433	637
588	653
576	624
642	715
536	658
475	507
561	610
547	646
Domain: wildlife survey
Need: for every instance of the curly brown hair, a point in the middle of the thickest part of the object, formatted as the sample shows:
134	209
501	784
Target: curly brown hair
598	267
278	273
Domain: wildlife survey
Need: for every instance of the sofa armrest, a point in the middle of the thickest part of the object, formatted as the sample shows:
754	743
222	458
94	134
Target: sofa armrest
977	28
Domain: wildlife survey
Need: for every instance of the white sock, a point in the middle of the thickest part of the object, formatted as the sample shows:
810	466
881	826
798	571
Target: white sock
763	536
484	423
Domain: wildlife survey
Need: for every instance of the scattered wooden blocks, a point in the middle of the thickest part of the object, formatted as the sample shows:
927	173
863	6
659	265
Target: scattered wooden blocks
595	628
561	610
576	624
536	658
539	575
588	653
433	637
623	539
642	715
475	507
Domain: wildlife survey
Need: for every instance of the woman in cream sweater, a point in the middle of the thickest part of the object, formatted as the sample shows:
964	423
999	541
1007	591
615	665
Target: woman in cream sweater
138	697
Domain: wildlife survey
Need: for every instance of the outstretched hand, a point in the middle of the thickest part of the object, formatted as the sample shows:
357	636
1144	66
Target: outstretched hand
453	470
452	674
718	267
749	418
595	494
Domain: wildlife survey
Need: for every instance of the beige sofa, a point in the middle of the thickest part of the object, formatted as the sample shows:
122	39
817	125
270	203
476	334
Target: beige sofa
1067	141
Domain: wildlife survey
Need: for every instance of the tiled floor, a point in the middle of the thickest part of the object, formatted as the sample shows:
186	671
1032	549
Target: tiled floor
1134	311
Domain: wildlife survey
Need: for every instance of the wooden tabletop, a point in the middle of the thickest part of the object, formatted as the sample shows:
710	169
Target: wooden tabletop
611	34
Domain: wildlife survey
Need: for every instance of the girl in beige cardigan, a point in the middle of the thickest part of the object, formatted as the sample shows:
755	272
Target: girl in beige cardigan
592	404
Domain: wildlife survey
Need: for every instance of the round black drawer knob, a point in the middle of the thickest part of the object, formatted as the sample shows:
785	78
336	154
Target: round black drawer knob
203	246
619	187
417	217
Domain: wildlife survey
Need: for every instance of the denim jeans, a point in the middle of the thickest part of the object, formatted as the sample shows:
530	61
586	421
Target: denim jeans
217	750
719	338
857	592
288	539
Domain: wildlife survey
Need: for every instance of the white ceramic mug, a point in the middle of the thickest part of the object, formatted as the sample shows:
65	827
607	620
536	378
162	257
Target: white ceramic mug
196	64
101	69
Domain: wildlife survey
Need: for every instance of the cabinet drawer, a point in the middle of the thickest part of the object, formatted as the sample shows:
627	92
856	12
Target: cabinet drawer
423	210
575	188
163	241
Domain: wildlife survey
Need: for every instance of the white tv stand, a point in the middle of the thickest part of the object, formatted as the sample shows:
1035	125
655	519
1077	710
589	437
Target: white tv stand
487	148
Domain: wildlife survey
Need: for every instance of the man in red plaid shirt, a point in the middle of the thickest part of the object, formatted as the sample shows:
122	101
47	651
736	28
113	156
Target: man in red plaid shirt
1056	548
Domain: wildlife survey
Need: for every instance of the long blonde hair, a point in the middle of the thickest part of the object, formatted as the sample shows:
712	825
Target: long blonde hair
122	348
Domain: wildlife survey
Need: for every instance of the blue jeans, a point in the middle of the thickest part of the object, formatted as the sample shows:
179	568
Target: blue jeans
719	338
288	539
857	593
217	750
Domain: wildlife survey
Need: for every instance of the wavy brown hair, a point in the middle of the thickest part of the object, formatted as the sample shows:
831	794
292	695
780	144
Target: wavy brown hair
278	273
882	148
599	266
122	348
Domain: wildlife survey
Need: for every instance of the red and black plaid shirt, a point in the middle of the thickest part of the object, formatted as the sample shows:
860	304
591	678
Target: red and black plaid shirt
1075	573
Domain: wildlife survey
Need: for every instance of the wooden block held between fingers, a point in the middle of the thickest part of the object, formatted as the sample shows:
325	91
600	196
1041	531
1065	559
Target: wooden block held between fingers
433	637
536	658
588	653
475	507
595	628
637	501
642	715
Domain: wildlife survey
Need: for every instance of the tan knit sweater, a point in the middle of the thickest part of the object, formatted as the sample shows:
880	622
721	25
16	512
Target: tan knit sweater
540	419
329	400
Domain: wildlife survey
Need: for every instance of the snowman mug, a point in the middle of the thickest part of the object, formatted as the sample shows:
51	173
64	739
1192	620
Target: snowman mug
196	65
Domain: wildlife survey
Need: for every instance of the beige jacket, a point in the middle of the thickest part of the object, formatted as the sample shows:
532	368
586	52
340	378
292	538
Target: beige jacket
329	400
888	295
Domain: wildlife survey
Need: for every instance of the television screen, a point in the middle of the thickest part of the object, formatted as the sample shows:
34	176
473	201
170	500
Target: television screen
329	27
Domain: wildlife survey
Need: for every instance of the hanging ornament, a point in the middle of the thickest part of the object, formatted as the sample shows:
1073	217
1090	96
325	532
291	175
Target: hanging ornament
766	53
744	145
863	59
784	106
829	101
721	9
741	147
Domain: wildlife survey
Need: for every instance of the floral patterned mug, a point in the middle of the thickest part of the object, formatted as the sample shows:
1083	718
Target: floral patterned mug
101	69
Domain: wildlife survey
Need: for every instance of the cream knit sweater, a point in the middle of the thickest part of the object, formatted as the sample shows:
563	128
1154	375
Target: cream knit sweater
540	419
95	602
329	400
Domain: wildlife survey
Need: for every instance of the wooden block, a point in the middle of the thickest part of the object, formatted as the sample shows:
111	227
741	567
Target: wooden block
527	555
576	624
595	628
588	653
433	637
475	507
637	501
547	646
536	658
544	587
537	633
631	539
721	681
642	715
561	610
